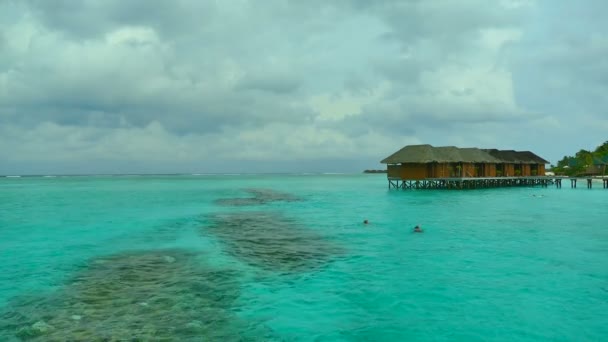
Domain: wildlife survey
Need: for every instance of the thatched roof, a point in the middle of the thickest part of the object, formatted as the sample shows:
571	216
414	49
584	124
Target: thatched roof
533	157
452	154
416	154
517	157
475	155
507	156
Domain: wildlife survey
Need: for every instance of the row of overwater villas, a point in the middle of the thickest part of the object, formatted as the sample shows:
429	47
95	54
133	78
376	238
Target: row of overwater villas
416	162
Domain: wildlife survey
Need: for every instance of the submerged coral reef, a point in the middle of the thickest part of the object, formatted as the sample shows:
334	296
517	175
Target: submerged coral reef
174	295
141	296
258	197
271	241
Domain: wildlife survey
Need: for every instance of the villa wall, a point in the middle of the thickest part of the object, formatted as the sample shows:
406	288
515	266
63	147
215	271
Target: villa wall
408	171
413	171
393	171
509	170
490	170
419	171
438	170
468	170
526	170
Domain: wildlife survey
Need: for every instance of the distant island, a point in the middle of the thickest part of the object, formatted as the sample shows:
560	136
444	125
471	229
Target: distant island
375	171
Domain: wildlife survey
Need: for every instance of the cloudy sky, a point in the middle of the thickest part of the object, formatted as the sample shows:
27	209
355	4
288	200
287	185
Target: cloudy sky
111	86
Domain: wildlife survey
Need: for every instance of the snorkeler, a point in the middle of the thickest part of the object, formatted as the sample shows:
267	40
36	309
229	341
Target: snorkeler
365	221
417	229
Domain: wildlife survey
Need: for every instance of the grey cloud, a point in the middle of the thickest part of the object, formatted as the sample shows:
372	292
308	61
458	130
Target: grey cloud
179	83
280	84
359	85
140	88
448	23
92	18
406	117
433	34
180	114
3	42
561	68
402	70
213	72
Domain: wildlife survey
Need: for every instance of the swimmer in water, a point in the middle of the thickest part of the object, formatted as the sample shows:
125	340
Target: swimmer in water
365	221
417	229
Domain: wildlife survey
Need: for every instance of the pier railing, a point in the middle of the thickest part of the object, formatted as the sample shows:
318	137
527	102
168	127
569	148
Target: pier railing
487	182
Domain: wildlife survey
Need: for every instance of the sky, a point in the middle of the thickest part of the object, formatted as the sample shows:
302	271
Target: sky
180	86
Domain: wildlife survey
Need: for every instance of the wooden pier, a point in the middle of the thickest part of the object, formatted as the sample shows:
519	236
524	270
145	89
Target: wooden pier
460	183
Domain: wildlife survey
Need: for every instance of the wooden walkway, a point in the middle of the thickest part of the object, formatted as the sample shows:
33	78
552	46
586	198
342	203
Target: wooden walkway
487	182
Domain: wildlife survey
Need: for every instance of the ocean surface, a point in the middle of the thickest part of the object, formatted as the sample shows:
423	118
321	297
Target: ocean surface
287	258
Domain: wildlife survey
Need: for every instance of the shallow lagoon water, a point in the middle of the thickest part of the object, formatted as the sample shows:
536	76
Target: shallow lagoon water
492	265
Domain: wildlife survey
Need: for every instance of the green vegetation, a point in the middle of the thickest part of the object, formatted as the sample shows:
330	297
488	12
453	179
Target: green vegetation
584	162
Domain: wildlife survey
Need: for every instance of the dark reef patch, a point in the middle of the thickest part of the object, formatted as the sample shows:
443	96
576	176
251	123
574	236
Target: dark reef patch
272	241
142	296
258	197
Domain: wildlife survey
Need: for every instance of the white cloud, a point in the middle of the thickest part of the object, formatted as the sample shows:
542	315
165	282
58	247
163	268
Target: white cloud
335	107
132	36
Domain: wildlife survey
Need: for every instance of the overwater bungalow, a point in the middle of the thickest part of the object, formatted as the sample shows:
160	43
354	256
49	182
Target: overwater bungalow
438	165
425	161
518	163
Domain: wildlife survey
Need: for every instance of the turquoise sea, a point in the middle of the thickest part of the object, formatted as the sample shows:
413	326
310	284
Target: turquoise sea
287	258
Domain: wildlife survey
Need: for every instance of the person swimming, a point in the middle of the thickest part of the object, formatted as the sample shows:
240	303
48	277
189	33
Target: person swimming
365	221
417	229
